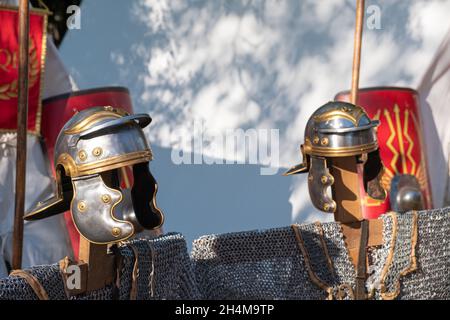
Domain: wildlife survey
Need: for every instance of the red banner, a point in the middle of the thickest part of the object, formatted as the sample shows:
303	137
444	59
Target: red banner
9	68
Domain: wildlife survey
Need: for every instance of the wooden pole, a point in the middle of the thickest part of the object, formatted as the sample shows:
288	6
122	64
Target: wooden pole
22	117
357	50
358	233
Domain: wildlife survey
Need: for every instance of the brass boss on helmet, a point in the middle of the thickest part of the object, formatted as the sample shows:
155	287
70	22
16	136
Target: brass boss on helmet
90	152
339	129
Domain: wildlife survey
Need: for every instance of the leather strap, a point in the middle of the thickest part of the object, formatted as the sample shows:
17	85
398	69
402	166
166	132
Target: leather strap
361	269
33	282
135	273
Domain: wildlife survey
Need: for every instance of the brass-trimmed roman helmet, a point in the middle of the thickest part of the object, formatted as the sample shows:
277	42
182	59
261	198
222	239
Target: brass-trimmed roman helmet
339	129
90	151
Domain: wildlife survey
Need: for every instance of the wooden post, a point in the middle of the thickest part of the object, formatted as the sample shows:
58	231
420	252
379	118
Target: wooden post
358	233
22	118
96	265
348	202
100	264
346	192
346	189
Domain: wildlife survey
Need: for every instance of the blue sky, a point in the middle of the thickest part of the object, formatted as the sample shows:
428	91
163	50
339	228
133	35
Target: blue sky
241	64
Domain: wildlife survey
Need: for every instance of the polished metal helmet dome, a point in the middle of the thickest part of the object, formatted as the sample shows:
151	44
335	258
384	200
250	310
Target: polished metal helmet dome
340	129
101	139
90	149
337	129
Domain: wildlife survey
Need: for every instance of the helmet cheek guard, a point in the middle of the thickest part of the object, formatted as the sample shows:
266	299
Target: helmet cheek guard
93	207
143	195
319	180
373	172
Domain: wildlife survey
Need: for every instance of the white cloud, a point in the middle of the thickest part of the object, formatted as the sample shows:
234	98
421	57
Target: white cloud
117	58
271	64
428	23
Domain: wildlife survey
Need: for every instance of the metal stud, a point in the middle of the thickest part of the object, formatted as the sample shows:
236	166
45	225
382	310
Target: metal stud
325	179
82	155
97	152
324	141
106	198
316	140
116	232
82	206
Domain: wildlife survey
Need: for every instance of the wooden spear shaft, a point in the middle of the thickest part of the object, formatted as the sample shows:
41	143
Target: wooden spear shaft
346	186
361	267
357	50
22	117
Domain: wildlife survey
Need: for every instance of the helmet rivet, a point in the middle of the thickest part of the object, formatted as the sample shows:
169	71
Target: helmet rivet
97	152
345	109
82	206
324	179
82	155
316	140
326	207
116	232
324	141
106	198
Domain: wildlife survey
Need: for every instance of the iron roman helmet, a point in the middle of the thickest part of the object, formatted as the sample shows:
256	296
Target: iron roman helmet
339	129
91	152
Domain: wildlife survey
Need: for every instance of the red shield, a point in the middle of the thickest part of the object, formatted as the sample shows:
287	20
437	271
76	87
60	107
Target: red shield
9	68
399	137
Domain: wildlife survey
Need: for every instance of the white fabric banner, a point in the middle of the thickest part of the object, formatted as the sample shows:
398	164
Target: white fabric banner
45	241
434	91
